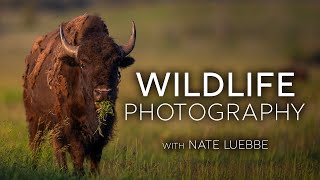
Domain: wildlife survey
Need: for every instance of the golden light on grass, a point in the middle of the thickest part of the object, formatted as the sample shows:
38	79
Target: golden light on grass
105	108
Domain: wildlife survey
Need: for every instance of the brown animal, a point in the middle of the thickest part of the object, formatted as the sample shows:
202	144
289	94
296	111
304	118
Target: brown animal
65	75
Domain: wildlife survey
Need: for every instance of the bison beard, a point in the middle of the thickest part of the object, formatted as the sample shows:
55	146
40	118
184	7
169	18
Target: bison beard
66	74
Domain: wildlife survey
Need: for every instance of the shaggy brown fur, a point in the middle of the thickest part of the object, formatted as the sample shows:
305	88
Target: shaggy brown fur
58	89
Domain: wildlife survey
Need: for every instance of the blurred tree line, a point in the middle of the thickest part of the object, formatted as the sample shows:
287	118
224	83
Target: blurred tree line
44	4
65	4
29	8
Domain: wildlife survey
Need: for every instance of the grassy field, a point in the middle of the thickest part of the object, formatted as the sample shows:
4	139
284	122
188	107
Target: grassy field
179	37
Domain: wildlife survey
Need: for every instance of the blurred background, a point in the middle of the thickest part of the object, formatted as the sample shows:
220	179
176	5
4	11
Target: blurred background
186	36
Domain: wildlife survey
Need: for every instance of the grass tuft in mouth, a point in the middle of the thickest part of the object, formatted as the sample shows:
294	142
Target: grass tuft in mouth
105	108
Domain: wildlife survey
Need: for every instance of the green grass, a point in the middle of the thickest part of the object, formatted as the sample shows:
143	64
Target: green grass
136	152
105	108
179	37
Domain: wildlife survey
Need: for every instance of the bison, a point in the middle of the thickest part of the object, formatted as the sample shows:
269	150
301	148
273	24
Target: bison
67	72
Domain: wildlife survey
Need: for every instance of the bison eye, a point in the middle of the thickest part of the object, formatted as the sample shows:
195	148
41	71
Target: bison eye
82	65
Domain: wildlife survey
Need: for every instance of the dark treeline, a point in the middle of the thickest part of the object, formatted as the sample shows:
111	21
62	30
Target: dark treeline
58	5
44	4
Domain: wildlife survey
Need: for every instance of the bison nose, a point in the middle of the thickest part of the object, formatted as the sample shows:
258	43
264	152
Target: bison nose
101	94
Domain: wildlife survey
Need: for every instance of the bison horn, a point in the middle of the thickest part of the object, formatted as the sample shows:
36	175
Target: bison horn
70	50
127	48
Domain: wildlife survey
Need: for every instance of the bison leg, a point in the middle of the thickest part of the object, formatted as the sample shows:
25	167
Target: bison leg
35	138
95	158
77	156
60	153
35	135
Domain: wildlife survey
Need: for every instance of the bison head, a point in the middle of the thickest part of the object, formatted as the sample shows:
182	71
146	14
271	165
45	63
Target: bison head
99	58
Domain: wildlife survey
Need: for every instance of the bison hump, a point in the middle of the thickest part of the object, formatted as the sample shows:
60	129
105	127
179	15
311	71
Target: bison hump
82	26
